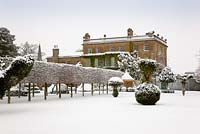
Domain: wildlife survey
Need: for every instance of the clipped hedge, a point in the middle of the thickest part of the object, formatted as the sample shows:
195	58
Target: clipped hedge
15	72
147	94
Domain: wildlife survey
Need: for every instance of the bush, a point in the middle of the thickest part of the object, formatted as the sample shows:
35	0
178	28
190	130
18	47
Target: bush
13	74
147	94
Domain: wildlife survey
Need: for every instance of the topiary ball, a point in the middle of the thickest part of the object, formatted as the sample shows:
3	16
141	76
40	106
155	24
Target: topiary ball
147	94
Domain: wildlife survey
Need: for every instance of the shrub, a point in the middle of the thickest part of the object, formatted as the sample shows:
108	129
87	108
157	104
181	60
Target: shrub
14	73
147	94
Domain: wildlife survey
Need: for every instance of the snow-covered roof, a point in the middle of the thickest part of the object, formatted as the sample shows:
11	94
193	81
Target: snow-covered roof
126	76
124	39
72	54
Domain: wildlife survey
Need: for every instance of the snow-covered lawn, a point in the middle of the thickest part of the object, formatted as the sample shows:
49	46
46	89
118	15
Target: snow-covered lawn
101	114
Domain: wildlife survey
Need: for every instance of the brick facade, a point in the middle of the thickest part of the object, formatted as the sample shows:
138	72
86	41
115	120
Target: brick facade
103	52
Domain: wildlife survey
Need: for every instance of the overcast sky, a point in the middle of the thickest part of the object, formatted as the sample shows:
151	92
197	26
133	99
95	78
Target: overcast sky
64	22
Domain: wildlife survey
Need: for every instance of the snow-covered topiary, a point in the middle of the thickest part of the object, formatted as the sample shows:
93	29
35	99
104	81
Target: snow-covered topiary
14	73
147	67
167	75
147	94
115	82
184	78
130	63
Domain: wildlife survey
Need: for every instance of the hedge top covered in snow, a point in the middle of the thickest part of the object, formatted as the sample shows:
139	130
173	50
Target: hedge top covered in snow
7	62
167	75
43	72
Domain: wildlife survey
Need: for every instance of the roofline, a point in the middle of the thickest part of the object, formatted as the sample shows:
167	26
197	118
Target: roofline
126	39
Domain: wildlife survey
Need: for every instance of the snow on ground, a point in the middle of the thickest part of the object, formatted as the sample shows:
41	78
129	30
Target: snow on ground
101	114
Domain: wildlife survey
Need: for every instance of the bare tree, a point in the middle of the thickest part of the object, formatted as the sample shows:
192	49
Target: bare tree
28	48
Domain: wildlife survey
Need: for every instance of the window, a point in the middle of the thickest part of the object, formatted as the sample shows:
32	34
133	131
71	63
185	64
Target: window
88	62
101	62
121	48
96	61
146	47
89	50
112	49
98	50
112	61
136	48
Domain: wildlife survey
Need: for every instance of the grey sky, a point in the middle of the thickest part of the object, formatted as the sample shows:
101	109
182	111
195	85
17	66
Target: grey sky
64	22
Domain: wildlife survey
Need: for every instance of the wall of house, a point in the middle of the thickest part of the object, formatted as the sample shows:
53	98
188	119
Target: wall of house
157	50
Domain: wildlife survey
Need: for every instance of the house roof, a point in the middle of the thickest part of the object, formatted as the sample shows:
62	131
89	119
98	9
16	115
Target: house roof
124	39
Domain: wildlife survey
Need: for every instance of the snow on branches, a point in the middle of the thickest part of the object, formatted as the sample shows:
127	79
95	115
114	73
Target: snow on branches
115	81
130	63
167	75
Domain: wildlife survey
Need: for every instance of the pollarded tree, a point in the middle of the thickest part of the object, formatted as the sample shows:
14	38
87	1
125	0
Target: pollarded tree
7	48
130	63
115	82
184	79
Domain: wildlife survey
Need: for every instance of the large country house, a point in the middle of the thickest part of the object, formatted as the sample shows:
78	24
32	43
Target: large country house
103	52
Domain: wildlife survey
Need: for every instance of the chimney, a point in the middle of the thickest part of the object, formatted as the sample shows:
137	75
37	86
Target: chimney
129	32
55	51
86	37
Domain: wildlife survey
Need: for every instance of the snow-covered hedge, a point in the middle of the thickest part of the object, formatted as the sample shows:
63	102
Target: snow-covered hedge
64	73
167	75
15	72
147	94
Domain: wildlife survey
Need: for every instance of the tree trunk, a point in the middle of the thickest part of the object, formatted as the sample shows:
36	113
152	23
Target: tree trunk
8	96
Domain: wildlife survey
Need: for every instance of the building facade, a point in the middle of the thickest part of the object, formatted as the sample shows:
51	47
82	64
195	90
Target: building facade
103	52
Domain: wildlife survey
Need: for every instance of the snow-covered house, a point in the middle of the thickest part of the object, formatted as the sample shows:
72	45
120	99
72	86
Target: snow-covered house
103	52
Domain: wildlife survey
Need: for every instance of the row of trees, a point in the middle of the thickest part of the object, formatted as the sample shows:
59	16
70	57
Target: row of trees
8	48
